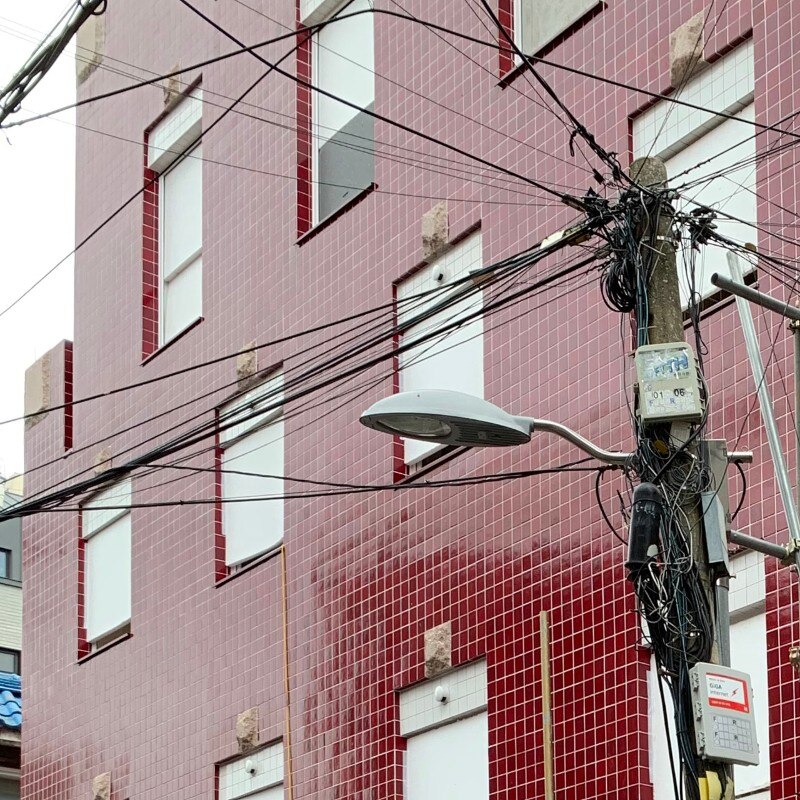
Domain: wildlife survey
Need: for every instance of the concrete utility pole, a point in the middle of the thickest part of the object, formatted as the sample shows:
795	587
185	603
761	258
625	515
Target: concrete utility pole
665	324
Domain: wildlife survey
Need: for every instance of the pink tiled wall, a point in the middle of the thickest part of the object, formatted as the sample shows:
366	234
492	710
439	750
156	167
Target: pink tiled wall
366	575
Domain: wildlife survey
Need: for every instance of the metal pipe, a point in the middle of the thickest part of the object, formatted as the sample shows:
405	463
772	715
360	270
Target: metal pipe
740	457
759	545
773	438
609	456
723	621
794	326
739	289
547	708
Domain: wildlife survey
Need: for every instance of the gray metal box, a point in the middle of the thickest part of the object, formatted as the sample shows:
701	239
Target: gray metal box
668	387
725	727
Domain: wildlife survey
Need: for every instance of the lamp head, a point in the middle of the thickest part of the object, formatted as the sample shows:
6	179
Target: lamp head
445	417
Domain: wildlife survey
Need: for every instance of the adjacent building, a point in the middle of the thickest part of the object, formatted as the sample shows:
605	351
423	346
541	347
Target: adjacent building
250	615
10	640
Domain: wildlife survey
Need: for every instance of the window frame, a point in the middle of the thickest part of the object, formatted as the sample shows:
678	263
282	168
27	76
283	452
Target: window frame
273	382
87	531
188	262
430	451
308	125
6	564
175	136
16	655
667	131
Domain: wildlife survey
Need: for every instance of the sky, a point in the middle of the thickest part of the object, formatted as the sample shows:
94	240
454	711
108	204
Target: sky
37	187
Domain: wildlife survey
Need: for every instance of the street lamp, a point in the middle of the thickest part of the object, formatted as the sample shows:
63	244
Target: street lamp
445	417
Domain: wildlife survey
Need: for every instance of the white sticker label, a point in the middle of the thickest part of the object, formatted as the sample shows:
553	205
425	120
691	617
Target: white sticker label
727	692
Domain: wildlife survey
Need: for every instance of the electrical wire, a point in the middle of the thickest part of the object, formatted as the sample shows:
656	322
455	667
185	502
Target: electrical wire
197	434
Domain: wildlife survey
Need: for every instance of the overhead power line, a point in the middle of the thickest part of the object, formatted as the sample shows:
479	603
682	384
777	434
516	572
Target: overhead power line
383	336
380	117
44	56
669	98
337	365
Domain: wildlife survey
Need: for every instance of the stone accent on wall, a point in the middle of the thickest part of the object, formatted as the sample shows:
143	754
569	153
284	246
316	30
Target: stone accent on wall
686	50
247	366
438	650
101	787
37	390
247	730
435	232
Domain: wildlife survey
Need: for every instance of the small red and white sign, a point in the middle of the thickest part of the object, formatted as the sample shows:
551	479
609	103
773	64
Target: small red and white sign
727	692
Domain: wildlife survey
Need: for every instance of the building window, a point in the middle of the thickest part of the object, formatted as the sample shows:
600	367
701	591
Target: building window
685	137
251	463
536	23
447	749
5	563
257	776
454	359
10	661
337	161
748	654
106	565
173	229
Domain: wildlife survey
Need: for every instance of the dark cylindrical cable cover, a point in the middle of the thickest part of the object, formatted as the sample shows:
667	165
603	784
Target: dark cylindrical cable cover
648	508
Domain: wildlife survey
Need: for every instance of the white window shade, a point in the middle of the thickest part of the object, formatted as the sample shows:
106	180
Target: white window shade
344	62
343	133
449	762
254	444
732	193
454	359
107	603
252	528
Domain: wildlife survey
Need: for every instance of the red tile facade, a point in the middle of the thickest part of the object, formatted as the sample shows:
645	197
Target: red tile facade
150	316
320	637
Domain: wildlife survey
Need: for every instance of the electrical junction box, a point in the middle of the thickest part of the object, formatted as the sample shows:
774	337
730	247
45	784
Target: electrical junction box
668	387
725	726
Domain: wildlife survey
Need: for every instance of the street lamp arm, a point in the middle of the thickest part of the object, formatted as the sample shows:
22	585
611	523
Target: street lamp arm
609	456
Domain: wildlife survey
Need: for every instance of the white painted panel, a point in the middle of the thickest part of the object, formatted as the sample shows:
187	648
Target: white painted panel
453	360
108	578
252	528
749	654
264	396
451	762
732	193
748	584
235	781
175	132
660	770
98	511
466	692
343	62
183	300
181	212
727	85
429	286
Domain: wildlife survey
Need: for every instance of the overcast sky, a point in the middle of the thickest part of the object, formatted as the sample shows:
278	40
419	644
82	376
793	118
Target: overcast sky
37	175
